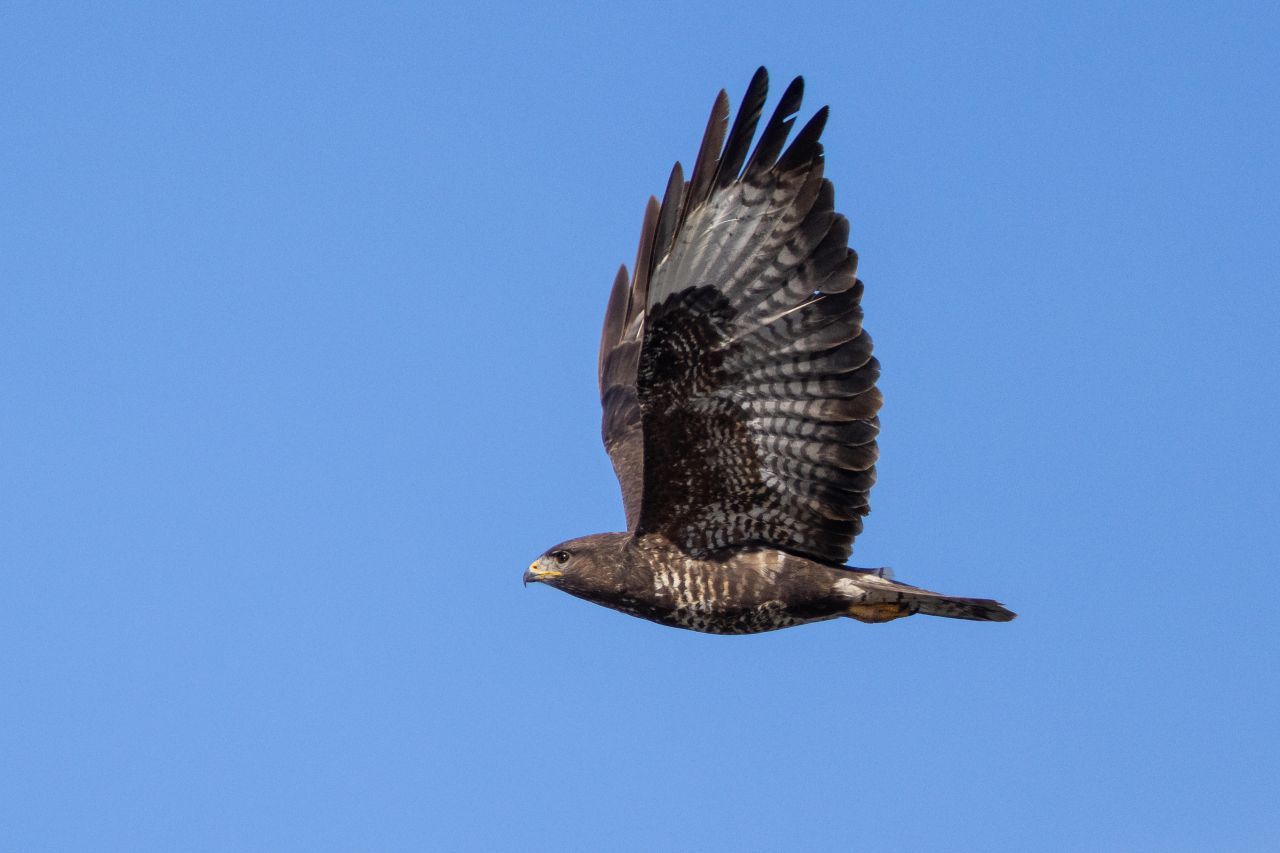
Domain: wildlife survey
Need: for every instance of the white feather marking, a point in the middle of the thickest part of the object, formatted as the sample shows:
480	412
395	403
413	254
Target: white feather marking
851	588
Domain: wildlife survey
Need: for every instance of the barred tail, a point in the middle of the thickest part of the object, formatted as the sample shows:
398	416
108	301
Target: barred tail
979	609
879	599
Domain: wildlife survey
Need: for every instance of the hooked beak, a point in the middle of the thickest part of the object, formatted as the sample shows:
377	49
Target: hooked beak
537	574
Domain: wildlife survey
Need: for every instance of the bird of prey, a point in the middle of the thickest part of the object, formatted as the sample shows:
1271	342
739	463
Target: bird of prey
740	401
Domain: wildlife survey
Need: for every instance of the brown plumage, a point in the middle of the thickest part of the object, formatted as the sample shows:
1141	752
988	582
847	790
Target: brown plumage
740	400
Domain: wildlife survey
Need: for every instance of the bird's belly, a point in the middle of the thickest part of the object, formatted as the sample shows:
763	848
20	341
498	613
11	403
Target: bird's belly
709	603
769	616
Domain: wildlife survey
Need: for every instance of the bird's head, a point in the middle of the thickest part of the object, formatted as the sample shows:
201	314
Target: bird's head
579	566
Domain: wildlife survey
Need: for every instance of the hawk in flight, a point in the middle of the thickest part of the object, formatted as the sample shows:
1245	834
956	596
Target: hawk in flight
740	400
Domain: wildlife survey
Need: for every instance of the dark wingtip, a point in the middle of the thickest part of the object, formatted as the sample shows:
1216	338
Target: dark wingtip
738	144
792	98
806	147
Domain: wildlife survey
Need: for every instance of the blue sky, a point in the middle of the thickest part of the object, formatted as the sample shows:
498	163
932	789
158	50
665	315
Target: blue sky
298	317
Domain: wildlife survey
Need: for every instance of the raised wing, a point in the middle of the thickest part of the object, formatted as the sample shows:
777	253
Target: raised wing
738	386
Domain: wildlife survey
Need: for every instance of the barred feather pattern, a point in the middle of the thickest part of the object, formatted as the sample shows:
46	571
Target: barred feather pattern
738	386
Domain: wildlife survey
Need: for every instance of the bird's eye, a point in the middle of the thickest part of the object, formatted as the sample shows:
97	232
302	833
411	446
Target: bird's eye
560	557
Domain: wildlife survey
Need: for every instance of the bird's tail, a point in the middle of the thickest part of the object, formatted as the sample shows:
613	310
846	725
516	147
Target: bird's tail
880	599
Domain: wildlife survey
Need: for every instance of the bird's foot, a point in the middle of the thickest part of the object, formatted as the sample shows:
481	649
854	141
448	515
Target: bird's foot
885	612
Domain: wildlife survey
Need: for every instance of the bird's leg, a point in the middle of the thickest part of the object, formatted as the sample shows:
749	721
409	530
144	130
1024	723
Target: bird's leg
883	612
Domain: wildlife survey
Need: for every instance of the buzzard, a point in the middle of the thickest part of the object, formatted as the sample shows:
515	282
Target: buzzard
740	400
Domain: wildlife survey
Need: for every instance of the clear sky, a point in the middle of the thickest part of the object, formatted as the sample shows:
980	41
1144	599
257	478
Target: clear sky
298	315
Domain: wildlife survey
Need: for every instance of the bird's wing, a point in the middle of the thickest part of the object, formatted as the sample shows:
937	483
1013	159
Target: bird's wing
620	344
738	386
